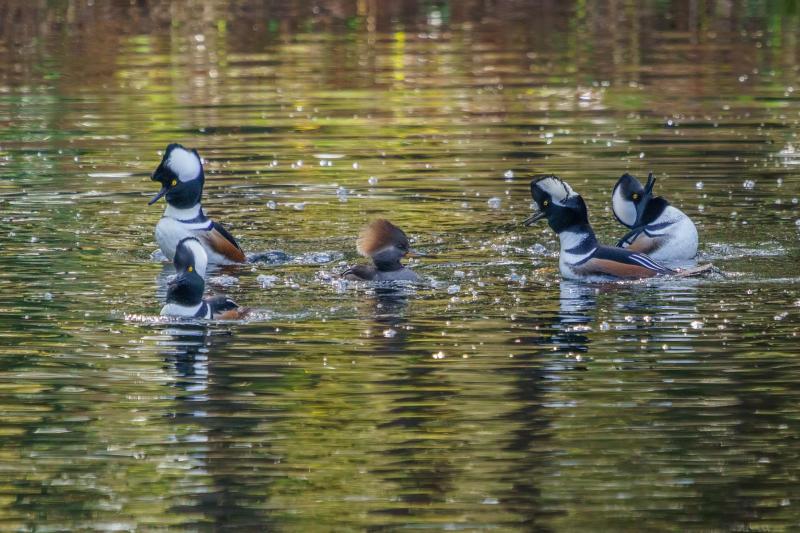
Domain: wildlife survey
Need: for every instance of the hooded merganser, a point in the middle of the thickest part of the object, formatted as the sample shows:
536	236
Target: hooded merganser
181	176
386	244
582	257
658	229
185	292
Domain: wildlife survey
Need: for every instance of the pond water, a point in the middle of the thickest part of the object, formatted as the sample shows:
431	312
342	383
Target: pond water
495	396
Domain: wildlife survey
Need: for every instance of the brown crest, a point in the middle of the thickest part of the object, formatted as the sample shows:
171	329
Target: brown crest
379	234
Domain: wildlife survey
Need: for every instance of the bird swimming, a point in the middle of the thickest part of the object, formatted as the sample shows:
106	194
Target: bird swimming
386	245
185	292
582	256
181	176
658	229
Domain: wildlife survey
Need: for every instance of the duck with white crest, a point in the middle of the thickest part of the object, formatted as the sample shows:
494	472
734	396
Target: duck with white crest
657	229
185	292
181	176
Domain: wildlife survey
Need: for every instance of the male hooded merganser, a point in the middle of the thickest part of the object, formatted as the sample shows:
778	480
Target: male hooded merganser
386	244
181	176
185	292
582	257
658	229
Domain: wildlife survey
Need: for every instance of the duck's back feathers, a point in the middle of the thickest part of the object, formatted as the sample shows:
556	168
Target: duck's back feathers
223	308
371	273
360	273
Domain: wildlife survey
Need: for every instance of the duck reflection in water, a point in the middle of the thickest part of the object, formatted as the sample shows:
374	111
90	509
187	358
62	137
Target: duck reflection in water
417	460
548	360
217	427
387	309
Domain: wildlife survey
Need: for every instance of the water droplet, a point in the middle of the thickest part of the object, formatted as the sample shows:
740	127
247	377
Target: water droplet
372	180
508	175
453	289
641	155
749	184
438	355
494	202
224	280
266	281
272	205
389	333
696	324
699	185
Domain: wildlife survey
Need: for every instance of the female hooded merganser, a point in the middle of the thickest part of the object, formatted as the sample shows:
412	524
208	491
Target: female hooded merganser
386	244
181	176
582	257
185	292
658	229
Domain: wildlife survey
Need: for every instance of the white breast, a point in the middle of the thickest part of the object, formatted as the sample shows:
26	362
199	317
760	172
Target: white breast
676	242
173	309
169	232
566	260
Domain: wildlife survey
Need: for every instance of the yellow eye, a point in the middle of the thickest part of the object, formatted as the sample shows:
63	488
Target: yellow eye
191	269
635	196
174	182
546	203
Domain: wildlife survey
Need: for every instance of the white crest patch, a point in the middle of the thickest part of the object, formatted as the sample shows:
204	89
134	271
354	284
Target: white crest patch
200	256
558	190
624	208
184	163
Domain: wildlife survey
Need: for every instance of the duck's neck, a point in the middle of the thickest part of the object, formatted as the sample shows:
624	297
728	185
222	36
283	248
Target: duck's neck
577	238
387	266
191	214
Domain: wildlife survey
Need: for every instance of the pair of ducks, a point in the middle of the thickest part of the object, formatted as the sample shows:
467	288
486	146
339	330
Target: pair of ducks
192	240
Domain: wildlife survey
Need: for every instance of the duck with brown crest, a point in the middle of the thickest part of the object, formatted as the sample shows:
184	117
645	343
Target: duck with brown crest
386	245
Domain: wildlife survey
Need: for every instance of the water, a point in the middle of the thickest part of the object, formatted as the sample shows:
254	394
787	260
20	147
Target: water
493	397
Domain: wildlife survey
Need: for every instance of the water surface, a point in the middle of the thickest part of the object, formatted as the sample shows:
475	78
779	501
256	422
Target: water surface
495	396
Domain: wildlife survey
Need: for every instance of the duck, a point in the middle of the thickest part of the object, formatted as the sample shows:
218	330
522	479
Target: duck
185	291
181	176
386	245
658	229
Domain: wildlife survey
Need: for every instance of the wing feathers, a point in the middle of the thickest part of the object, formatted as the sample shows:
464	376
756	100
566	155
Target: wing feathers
223	243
